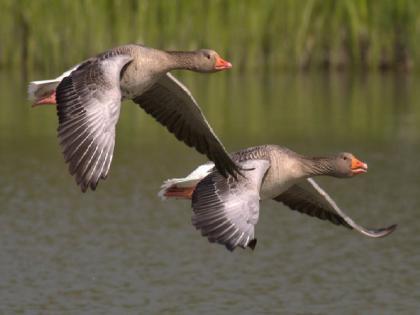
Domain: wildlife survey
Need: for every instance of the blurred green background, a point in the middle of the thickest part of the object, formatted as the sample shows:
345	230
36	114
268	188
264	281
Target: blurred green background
317	76
256	35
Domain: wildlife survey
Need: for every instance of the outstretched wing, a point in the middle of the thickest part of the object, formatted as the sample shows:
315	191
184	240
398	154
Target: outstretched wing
226	210
309	198
88	106
171	104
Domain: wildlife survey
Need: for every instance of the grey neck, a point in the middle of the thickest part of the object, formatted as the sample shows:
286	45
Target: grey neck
181	60
316	166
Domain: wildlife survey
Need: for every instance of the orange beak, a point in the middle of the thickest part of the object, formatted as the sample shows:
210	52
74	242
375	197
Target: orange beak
49	100
358	167
222	64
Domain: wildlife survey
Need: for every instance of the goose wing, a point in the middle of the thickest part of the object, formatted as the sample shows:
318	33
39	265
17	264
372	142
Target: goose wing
88	107
226	210
171	104
309	198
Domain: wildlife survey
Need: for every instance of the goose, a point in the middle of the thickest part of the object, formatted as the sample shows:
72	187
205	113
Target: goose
88	99
226	211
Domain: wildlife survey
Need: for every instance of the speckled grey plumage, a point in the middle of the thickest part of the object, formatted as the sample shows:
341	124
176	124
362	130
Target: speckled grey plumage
144	79
88	107
226	211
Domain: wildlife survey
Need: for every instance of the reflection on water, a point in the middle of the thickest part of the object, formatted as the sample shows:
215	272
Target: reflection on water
120	250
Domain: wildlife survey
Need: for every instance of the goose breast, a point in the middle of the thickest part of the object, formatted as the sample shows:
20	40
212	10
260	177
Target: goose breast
284	172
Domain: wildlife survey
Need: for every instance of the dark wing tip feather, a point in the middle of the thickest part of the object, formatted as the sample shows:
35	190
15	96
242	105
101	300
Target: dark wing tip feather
252	243
171	104
226	167
301	200
93	185
382	232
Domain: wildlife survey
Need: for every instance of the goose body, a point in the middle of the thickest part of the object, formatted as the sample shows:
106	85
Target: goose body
226	211
88	99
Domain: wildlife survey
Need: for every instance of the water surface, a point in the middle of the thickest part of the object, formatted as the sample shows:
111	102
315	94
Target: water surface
120	250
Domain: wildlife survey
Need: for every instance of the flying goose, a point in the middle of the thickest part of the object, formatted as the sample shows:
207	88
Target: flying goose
226	211
89	96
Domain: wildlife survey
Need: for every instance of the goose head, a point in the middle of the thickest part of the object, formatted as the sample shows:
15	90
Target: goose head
207	60
347	165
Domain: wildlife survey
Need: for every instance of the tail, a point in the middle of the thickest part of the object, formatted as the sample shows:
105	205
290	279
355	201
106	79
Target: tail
183	188
37	90
170	189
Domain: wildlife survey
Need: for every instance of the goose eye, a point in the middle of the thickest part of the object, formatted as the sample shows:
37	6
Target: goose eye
207	56
345	158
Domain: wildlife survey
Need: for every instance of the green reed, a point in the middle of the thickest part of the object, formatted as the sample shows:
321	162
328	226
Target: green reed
46	35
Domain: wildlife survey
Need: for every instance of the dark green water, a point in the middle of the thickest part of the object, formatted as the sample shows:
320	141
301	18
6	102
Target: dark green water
120	250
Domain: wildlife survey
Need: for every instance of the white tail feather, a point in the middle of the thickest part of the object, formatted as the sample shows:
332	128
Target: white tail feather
40	89
43	88
191	180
